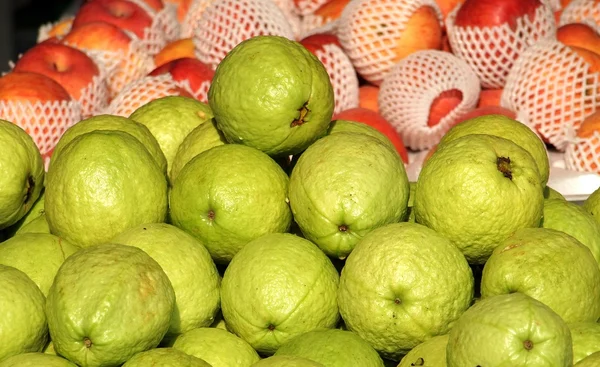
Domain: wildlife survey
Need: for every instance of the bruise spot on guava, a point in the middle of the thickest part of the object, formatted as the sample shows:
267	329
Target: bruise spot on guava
211	215
343	228
528	345
302	112
87	342
503	164
30	184
271	327
418	362
510	247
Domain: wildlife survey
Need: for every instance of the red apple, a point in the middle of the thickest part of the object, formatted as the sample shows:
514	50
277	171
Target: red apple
71	68
175	50
31	87
198	74
580	35
490	13
317	41
442	105
487	110
98	36
490	97
332	9
375	120
156	5
121	13
367	97
446	6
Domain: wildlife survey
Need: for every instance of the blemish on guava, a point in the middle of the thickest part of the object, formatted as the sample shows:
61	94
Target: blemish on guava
271	327
87	342
528	344
29	185
343	228
302	112
418	362
510	247
211	215
503	164
201	114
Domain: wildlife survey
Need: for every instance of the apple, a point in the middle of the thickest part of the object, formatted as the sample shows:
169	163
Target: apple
585	151
198	75
491	13
318	40
60	28
306	7
579	35
377	121
487	110
71	68
331	10
175	50
423	31
446	6
183	6
156	5
367	97
31	87
99	36
442	105
121	13
490	97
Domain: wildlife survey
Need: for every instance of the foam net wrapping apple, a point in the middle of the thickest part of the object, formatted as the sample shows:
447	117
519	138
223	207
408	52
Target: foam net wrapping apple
552	89
555	5
414	83
226	23
369	29
95	97
288	9
313	24
307	7
583	153
491	51
582	11
45	122
58	29
342	75
142	91
201	93
192	17
165	26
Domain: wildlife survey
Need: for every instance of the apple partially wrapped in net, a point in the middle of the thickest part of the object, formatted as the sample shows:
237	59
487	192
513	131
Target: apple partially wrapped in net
165	26
583	146
376	34
581	11
339	67
40	106
425	94
490	35
56	29
142	91
190	74
192	17
226	23
552	88
324	19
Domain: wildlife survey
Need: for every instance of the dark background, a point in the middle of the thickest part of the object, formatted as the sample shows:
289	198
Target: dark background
20	21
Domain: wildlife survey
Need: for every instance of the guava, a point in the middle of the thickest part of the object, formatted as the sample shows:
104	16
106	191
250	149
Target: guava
508	128
573	220
550	193
37	225
108	302
164	357
586	339
36	360
101	184
190	269
287	361
39	255
217	347
430	353
112	122
344	186
337	126
593	360
550	266
170	119
228	196
272	94
592	204
202	138
403	284
277	287
23	328
410	217
22	178
332	348
509	330
476	191
35	212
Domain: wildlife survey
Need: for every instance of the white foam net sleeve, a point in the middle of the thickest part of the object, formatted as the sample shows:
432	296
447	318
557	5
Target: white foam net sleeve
313	24
491	51
45	122
408	91
226	23
342	75
582	11
192	17
369	29
95	97
46	29
306	7
552	88
288	8
142	91
583	153
555	5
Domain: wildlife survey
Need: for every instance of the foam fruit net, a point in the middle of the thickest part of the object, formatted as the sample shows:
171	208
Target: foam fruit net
342	75
582	11
491	51
583	154
306	7
192	17
45	122
140	92
369	29
94	97
45	29
551	88
226	23
406	95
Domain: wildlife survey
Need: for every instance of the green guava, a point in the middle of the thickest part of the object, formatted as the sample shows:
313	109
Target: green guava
287	361
476	191
550	266
165	357
430	353
101	184
108	302
593	360
35	212
37	225
550	193
509	330
411	202
228	196
586	339
337	126
272	94
332	348
402	285
36	360
592	204
277	287
218	347
344	186
22	178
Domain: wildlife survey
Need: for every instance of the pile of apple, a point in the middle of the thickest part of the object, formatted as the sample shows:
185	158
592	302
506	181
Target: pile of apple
410	68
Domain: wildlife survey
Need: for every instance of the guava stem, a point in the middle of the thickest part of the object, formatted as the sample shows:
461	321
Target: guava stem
303	111
528	344
503	164
343	228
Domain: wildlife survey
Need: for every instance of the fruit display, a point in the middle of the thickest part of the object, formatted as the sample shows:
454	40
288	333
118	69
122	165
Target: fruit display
310	183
